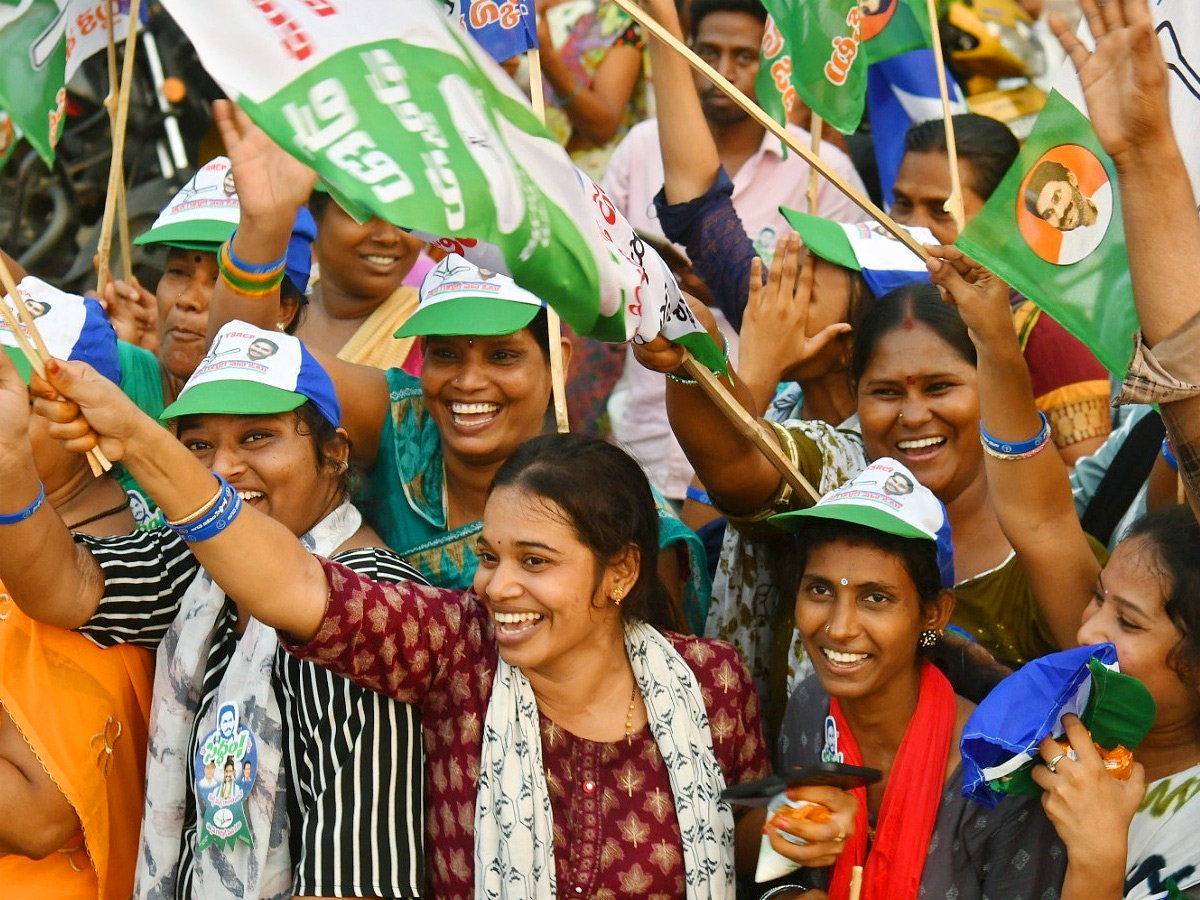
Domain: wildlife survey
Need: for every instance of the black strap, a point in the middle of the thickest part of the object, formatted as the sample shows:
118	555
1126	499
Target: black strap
1128	471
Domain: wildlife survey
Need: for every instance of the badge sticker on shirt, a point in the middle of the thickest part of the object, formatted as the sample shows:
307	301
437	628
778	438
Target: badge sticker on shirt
225	769
830	752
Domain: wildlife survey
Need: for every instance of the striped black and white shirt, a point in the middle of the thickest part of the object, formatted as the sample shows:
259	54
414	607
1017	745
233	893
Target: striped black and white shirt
353	758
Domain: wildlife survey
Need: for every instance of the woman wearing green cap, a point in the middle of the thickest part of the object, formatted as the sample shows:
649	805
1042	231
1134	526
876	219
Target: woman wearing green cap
266	777
431	445
872	570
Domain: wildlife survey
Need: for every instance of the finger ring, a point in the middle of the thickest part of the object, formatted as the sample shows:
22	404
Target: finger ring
1054	762
841	836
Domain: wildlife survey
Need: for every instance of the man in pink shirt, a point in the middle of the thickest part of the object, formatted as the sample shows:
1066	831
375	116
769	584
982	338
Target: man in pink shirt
727	35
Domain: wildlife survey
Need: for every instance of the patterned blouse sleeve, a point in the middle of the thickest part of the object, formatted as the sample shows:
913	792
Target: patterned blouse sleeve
395	639
1025	857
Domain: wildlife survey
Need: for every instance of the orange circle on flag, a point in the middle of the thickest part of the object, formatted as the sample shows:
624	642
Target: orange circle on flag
875	16
1069	186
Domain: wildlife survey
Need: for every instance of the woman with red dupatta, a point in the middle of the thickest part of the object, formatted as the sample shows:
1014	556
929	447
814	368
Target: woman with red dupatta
874	597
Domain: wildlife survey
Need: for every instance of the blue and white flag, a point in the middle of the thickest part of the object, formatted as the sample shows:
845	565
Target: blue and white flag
901	92
503	28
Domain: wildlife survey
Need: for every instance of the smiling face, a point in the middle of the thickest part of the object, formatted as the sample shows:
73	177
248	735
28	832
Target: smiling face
367	261
862	636
183	293
1128	609
272	462
728	41
261	348
486	394
922	188
918	402
546	592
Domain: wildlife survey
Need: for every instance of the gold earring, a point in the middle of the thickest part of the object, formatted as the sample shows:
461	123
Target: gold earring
281	326
617	596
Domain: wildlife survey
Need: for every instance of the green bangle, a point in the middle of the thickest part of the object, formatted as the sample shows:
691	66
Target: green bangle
246	283
688	379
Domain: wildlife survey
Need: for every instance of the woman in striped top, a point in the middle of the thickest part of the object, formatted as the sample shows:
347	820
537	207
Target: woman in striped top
267	777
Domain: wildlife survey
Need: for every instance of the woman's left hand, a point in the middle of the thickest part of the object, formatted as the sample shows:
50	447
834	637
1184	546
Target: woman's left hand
1089	809
825	840
662	355
981	297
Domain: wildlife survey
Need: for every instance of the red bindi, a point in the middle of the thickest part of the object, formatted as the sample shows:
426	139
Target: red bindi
908	324
909	380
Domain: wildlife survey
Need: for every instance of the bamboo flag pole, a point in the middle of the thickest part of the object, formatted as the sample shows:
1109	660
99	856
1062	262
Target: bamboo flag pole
651	25
35	353
116	168
104	249
749	427
856	882
816	126
954	205
558	375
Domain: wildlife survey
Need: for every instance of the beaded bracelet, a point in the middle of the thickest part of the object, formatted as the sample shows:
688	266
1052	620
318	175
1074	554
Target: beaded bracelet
220	517
1012	450
14	518
1169	456
688	379
244	280
694	493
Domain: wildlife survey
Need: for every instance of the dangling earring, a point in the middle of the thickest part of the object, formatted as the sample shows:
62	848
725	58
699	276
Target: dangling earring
928	638
617	596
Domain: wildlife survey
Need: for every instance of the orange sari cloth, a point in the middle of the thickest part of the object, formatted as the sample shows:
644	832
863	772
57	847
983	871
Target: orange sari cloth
84	712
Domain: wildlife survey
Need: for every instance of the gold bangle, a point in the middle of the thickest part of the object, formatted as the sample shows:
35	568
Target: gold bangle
176	523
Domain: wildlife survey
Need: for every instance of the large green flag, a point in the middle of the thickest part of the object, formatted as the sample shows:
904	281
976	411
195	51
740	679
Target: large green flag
818	50
9	136
403	114
1052	230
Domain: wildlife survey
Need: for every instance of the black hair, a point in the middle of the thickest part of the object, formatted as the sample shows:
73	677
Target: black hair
1172	536
702	8
318	202
324	434
289	291
985	144
1046	172
607	501
918	302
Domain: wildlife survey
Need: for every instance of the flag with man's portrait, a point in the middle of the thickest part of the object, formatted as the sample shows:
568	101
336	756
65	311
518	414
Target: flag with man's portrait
1053	227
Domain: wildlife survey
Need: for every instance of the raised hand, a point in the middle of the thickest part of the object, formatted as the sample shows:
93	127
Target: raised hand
269	181
133	312
1124	79
661	355
14	407
981	297
84	409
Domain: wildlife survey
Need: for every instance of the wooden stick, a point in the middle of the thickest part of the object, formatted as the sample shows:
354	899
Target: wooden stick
104	247
816	126
749	427
856	882
558	375
954	204
97	461
117	166
651	25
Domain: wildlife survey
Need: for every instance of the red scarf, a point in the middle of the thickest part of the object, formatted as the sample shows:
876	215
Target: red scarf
910	800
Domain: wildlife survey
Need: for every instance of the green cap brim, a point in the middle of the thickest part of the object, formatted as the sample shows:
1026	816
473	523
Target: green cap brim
824	238
867	516
20	362
469	316
234	397
200	234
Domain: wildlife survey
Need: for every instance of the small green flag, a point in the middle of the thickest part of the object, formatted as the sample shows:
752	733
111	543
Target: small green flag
33	60
892	27
1053	230
9	135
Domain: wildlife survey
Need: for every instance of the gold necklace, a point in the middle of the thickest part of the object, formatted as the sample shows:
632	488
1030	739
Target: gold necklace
629	714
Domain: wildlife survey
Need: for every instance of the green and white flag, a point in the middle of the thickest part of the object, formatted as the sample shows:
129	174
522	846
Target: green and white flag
818	50
1053	227
42	43
401	113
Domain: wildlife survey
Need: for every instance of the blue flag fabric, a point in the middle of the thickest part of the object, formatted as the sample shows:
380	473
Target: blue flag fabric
901	92
503	28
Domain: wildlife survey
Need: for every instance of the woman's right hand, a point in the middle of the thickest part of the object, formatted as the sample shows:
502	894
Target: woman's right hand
14	408
981	297
83	409
270	182
825	840
662	355
133	312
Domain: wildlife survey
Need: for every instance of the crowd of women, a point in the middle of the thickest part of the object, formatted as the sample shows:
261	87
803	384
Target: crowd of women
353	625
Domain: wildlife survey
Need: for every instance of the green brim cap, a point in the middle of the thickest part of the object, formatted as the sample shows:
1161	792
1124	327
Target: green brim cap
206	236
824	238
869	517
467	316
233	398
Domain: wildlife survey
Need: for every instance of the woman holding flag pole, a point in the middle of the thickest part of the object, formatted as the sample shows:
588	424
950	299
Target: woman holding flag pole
1147	599
432	446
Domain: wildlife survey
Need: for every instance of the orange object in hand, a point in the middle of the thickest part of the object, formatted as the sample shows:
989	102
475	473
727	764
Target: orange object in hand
1118	762
807	811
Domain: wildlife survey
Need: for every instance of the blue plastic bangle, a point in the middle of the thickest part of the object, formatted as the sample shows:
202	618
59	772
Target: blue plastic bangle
216	520
252	268
1017	448
1169	456
14	518
694	493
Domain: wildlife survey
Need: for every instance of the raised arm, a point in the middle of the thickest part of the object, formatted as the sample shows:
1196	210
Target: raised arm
1031	496
1125	82
49	576
272	186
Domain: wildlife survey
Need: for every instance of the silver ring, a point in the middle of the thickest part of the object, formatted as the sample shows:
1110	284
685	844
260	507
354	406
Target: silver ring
1054	762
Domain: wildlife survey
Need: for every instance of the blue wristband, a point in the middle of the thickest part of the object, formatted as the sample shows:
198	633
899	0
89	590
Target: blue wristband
694	493
1017	448
216	520
253	268
1169	456
14	518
